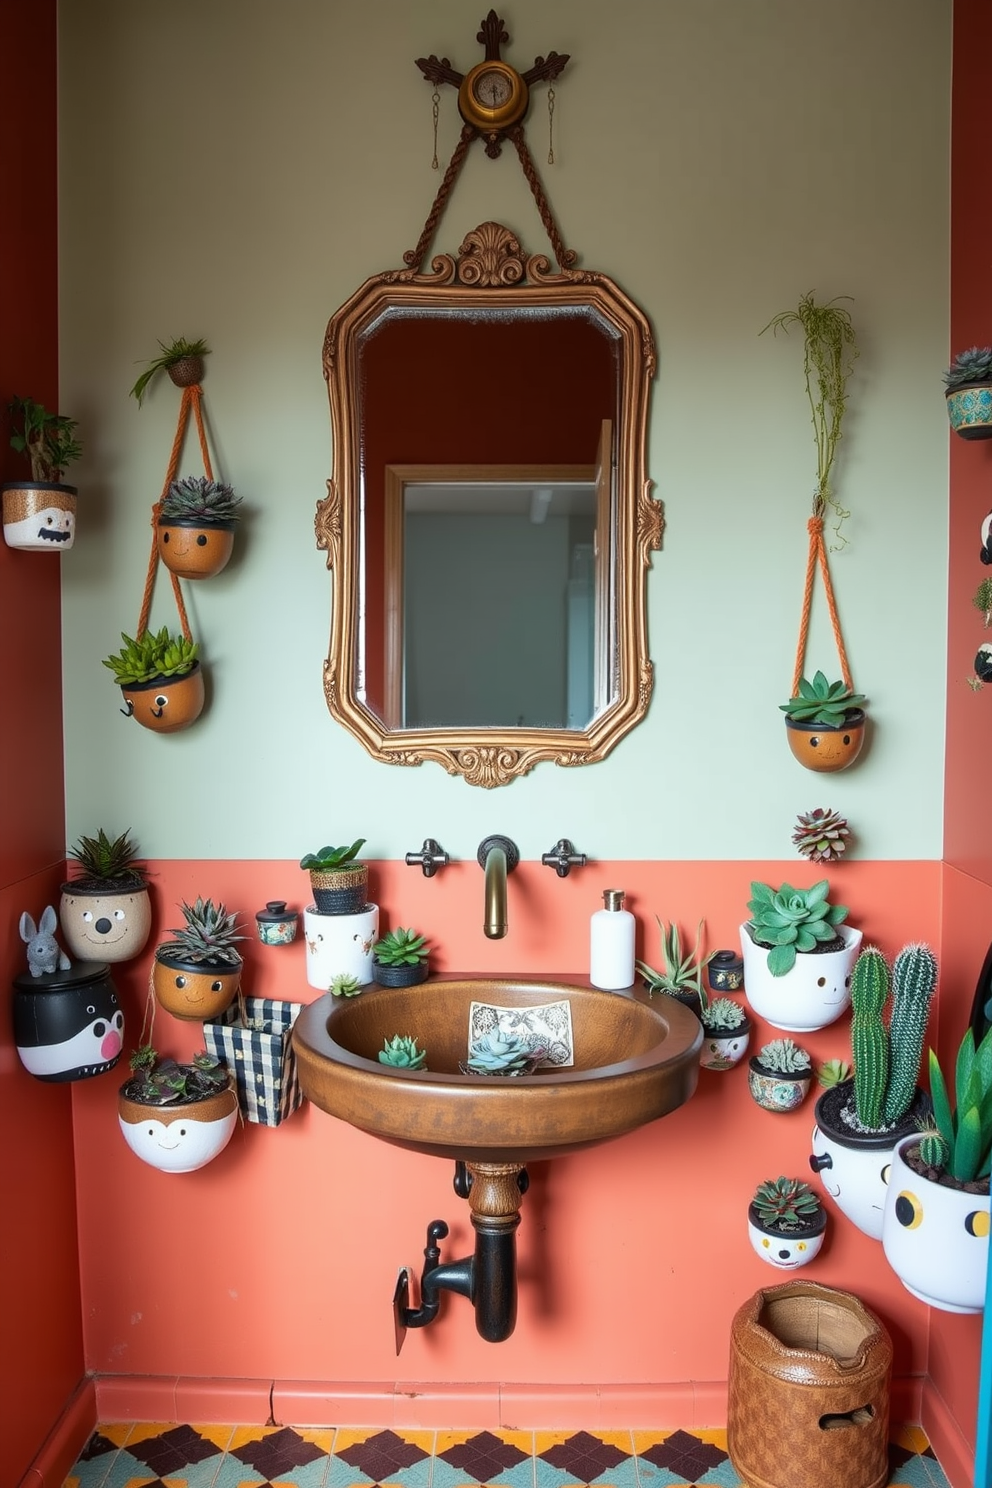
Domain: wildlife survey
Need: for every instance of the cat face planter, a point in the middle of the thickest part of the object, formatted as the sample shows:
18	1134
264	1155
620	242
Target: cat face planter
165	704
39	518
110	925
786	1249
178	1139
814	993
194	990
194	549
68	1025
935	1238
854	1166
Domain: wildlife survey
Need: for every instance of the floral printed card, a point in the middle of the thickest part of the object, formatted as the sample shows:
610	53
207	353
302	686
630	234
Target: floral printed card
547	1027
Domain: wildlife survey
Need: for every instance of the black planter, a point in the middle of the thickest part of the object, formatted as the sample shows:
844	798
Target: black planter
399	976
340	891
68	1025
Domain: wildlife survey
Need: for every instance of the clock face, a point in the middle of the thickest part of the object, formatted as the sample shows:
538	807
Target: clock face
493	96
491	88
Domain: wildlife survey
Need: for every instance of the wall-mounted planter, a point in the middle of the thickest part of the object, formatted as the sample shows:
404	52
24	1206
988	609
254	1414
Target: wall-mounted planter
340	891
722	1049
166	704
259	1051
181	1138
68	1025
39	518
276	924
790	1248
340	945
826	747
110	924
969	409
194	549
854	1165
813	994
935	1237
775	1090
194	990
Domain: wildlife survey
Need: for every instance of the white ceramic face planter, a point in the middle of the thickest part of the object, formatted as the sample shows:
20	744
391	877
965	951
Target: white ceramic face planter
813	994
105	927
39	519
786	1252
856	1179
340	944
936	1239
176	1141
722	1053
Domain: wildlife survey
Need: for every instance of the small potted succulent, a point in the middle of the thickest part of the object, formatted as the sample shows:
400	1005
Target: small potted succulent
786	1222
338	881
400	958
160	679
176	1117
860	1120
497	1053
105	912
197	974
39	515
935	1226
195	526
825	723
181	359
968	391
798	956
779	1075
401	1052
682	976
726	1032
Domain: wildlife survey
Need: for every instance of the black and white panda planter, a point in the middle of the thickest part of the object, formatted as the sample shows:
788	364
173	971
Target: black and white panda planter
68	1025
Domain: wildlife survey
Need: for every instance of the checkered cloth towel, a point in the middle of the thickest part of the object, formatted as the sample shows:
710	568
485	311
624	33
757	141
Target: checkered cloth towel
259	1052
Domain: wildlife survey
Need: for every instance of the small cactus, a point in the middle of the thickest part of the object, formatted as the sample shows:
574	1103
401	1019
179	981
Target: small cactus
934	1150
401	1052
785	1057
914	980
344	985
869	1041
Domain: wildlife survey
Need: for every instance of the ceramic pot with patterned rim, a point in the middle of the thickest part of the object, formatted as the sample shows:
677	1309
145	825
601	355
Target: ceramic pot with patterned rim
194	990
166	704
935	1236
39	518
723	1048
969	409
181	1138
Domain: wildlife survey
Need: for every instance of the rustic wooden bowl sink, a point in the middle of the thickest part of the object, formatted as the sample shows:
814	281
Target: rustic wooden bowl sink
635	1060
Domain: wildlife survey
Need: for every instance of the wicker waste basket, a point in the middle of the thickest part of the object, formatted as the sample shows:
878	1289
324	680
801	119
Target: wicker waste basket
809	1390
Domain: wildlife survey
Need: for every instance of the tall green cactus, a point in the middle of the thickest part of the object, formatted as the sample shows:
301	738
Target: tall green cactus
914	978
869	1041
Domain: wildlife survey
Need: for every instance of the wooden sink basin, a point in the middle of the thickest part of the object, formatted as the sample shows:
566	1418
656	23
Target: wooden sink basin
635	1060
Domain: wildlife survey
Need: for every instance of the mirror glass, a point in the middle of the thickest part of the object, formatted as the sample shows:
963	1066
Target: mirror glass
485	518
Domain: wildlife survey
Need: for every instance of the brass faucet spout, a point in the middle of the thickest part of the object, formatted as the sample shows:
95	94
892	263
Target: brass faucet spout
498	856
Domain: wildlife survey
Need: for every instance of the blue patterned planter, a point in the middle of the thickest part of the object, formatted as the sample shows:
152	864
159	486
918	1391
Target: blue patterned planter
969	409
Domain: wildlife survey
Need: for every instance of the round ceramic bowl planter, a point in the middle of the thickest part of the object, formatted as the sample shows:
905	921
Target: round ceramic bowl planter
39	518
180	1138
777	1090
969	409
193	548
790	1248
194	990
935	1236
340	945
106	923
826	747
813	994
723	1048
854	1166
399	976
165	704
68	1025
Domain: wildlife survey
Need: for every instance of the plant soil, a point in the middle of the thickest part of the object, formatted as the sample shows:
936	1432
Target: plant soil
911	1157
822	947
837	1116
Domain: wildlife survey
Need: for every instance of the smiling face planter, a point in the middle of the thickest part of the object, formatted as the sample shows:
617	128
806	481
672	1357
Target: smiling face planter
107	925
786	1249
178	1139
194	549
814	993
824	747
68	1025
194	990
935	1238
39	518
855	1166
165	704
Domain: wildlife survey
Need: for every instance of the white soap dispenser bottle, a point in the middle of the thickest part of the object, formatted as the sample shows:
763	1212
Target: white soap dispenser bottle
611	944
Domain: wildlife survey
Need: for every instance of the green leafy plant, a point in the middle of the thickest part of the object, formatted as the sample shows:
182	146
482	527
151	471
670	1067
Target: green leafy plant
344	985
401	948
107	862
48	439
154	654
164	1082
682	973
973	365
210	935
195	498
332	857
173	354
496	1053
829	354
820	701
402	1053
723	1015
887	1058
966	1129
785	1057
790	920
983	600
786	1203
833	1072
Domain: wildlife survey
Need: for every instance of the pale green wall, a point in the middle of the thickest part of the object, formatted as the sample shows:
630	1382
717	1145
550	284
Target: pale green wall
235	168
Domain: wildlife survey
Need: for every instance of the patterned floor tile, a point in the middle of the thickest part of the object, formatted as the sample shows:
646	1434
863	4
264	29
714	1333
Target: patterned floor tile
565	1457
96	1459
258	1456
501	1457
682	1457
402	1457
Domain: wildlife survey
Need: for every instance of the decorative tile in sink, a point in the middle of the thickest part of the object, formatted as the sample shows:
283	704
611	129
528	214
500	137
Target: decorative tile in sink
548	1026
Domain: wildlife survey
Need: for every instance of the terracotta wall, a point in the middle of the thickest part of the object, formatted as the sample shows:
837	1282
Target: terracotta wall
38	1261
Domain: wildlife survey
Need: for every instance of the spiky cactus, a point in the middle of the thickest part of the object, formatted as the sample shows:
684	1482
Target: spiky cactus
934	1151
914	979
869	1041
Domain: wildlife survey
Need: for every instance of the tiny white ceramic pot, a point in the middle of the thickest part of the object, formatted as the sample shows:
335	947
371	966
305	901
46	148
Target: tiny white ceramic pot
721	1051
854	1166
179	1139
340	945
935	1238
787	1252
814	993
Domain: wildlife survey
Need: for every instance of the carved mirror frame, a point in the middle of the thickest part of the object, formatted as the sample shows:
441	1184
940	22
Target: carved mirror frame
491	271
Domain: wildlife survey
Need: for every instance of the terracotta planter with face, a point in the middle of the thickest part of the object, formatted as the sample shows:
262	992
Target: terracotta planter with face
104	924
194	549
166	704
178	1139
194	990
826	747
39	518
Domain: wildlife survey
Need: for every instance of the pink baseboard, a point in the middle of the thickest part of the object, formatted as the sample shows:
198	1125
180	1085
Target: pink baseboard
66	1440
954	1453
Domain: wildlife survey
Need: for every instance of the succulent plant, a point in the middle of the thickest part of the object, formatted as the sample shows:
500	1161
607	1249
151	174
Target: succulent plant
833	1072
723	1015
197	498
332	857
973	365
790	920
785	1057
821	835
174	355
401	948
983	599
785	1203
681	973
48	439
967	1129
402	1053
209	935
154	654
824	702
887	1059
164	1082
496	1053
108	862
344	985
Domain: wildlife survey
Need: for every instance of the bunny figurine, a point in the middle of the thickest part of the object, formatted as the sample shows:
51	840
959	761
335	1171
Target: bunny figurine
44	952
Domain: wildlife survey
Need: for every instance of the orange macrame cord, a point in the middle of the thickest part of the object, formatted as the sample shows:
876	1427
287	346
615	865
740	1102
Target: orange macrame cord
818	552
192	398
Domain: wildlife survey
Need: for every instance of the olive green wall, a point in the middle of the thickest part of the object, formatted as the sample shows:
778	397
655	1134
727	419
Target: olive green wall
235	170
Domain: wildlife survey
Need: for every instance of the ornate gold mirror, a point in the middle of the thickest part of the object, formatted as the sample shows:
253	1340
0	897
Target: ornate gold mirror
490	520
